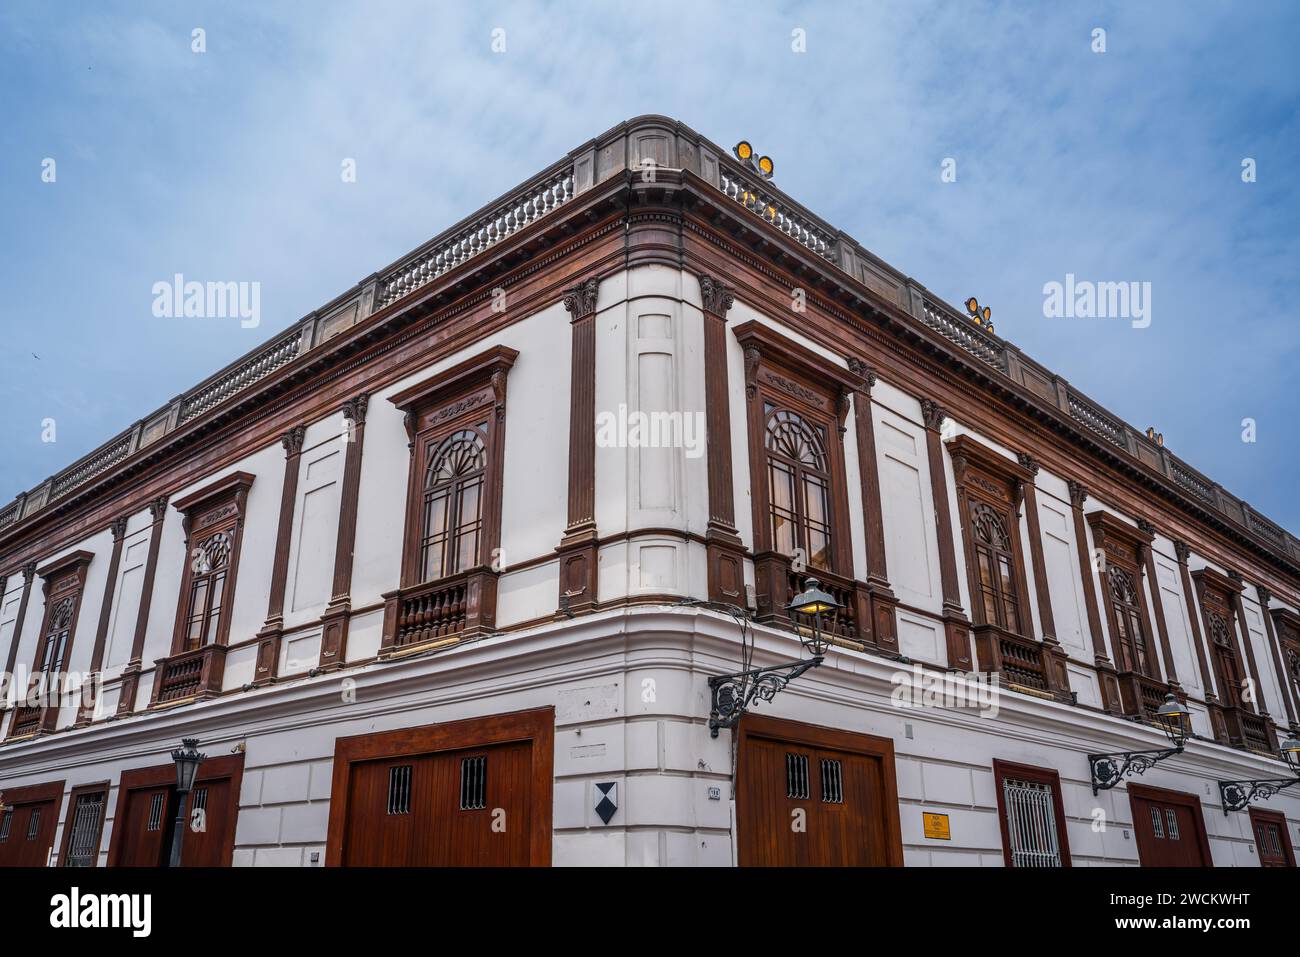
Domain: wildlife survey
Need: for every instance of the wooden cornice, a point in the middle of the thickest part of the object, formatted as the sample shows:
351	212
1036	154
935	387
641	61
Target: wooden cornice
472	371
230	484
73	561
1215	579
980	455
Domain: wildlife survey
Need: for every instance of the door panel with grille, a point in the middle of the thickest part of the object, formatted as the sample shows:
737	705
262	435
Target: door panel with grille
1272	840
802	800
27	831
1032	816
1169	827
465	793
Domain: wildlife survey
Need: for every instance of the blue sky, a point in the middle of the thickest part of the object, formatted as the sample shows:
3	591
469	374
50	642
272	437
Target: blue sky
225	165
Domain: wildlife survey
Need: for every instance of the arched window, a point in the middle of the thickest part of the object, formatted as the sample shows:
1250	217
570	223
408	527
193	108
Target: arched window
453	504
57	631
209	566
799	484
1126	605
995	564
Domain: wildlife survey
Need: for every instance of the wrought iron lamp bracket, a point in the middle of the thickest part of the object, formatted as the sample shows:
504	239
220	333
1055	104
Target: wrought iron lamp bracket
1238	795
733	694
1109	769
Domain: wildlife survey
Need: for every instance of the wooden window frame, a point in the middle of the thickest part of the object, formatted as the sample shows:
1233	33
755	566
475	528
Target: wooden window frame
1165	796
1127	548
536	725
1028	772
423	614
1259	815
65	845
61	579
780	371
1286	625
983	477
1236	721
187	674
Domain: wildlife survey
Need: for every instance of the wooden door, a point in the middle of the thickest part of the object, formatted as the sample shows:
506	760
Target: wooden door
28	824
145	820
1169	827
811	796
1271	838
143	826
466	793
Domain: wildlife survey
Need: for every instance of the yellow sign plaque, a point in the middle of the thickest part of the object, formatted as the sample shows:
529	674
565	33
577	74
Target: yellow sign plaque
936	826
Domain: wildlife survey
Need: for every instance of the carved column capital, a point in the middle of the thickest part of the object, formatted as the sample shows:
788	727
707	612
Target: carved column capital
1078	493
580	301
933	414
1182	551
716	296
1028	462
865	372
1235	576
158	508
1146	527
752	356
118	528
1264	596
354	409
292	441
29	572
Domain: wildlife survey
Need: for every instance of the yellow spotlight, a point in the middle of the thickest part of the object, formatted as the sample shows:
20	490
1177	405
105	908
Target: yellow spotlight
743	151
766	167
972	306
987	313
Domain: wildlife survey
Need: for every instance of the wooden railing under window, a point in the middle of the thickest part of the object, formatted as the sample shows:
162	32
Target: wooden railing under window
190	674
1017	659
458	606
1248	730
778	583
27	720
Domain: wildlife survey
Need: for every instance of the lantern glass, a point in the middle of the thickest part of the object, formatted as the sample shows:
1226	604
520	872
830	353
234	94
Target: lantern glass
1172	717
187	761
1291	751
812	600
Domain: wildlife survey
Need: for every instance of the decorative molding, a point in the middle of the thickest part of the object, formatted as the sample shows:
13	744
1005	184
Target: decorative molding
716	296
292	441
580	301
1078	493
932	414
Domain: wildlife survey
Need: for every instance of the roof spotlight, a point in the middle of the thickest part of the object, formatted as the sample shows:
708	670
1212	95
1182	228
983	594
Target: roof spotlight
763	166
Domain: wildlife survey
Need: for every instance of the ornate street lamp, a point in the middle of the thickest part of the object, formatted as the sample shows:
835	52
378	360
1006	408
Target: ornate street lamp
1238	795
1108	770
734	694
187	760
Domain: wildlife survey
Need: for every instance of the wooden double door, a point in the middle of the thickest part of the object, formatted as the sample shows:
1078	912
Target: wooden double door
465	793
28	823
147	805
813	796
1169	827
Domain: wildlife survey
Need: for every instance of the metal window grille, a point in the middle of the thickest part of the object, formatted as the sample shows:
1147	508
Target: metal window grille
156	811
796	775
1173	823
34	825
832	781
1031	824
82	847
5	823
1156	824
199	802
399	789
473	783
1271	840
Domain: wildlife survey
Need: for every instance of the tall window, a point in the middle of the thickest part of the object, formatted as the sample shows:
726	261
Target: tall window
58	629
1033	816
452	514
209	565
1225	655
1127	615
798	487
995	566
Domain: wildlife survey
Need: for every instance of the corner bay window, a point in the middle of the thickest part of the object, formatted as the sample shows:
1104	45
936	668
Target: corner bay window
797	404
455	423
